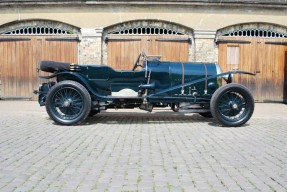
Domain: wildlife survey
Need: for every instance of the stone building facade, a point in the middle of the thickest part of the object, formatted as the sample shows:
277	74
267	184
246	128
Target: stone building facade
93	23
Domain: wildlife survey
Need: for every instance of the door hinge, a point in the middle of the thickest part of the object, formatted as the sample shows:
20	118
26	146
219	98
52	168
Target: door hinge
109	39
14	39
174	40
63	39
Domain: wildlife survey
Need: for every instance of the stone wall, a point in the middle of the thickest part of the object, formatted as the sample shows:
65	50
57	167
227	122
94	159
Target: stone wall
205	48
90	48
191	51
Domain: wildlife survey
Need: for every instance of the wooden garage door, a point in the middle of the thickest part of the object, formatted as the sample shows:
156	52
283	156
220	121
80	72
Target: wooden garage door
265	57
19	58
285	79
123	51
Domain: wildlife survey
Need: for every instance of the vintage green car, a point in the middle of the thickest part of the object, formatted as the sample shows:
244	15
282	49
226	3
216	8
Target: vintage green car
84	90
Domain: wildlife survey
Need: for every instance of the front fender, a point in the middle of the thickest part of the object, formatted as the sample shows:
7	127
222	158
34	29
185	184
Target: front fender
228	77
66	75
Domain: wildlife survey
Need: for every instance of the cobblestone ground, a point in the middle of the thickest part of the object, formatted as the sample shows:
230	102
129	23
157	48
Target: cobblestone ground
138	151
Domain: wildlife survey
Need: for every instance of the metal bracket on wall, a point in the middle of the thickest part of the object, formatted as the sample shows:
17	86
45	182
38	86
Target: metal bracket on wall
14	39
108	39
175	40
276	43
63	39
219	41
15	97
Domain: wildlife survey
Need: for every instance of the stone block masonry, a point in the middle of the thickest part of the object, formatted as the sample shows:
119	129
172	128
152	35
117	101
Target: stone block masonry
90	50
205	48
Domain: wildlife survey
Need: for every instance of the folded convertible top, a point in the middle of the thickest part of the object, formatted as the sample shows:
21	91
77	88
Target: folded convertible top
53	66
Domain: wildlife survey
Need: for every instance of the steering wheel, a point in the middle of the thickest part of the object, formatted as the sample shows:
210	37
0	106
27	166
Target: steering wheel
137	63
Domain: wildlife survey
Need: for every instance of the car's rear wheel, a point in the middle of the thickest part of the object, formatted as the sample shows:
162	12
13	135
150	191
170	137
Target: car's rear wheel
174	107
232	105
68	103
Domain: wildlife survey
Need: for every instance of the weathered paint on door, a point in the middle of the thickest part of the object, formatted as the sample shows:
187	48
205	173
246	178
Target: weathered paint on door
266	58
19	59
285	79
123	50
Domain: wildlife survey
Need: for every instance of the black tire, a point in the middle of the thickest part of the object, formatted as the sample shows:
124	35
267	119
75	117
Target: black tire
68	103
206	114
232	105
175	107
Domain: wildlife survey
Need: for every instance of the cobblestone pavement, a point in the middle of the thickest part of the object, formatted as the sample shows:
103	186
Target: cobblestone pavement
131	150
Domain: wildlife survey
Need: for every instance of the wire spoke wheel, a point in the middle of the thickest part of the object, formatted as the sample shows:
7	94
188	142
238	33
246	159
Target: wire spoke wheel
232	105
68	102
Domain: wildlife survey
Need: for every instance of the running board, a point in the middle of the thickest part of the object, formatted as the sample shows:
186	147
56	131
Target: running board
124	97
193	110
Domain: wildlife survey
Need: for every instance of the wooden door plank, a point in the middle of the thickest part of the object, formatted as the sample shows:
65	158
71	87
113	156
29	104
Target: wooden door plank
5	76
20	60
123	59
122	54
32	71
20	51
278	73
1	68
285	76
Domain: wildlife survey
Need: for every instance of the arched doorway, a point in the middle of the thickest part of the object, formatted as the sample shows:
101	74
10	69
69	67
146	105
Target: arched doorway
259	48
125	41
23	45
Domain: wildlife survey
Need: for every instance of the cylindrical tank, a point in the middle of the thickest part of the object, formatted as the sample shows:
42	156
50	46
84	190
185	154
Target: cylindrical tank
170	74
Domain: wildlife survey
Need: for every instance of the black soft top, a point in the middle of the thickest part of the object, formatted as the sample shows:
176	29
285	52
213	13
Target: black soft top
52	66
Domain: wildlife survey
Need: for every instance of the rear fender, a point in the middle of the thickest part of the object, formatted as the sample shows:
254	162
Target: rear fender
65	75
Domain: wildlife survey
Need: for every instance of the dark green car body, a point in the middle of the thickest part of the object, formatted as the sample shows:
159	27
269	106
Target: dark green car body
82	90
163	75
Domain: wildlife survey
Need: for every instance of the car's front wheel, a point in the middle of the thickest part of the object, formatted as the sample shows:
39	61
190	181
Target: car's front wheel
68	103
232	105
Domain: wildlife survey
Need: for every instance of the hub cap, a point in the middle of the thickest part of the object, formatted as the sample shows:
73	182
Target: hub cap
67	103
